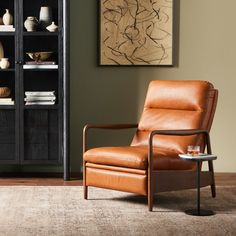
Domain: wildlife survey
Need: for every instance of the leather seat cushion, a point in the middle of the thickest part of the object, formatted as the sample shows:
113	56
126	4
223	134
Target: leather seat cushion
137	158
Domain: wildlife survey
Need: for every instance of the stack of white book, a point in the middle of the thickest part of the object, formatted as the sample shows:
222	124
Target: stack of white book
40	65
40	98
6	101
8	28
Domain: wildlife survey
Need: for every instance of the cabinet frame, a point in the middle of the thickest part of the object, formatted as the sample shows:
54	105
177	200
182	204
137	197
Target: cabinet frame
63	74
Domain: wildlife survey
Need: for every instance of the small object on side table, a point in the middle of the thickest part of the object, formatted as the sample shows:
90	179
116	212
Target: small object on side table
199	159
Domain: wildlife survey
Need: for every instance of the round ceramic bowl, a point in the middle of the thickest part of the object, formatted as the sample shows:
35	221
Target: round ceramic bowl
4	92
39	56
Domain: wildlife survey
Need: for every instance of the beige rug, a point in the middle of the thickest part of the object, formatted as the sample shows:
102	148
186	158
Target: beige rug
49	211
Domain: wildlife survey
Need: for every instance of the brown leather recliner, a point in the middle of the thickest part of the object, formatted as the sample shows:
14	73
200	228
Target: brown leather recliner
176	114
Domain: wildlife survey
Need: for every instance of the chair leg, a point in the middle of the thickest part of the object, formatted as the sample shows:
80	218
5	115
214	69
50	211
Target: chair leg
85	192
84	181
150	201
213	190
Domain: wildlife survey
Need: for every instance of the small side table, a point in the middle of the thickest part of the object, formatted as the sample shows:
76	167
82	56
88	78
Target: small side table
199	159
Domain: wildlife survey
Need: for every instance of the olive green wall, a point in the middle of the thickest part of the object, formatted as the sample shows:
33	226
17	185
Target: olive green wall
207	51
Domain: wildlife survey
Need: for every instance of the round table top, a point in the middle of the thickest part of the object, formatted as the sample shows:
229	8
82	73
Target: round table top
201	157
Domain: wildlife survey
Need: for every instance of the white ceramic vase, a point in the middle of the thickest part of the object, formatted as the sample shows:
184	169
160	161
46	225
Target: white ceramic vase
52	27
1	51
7	18
4	63
45	16
31	23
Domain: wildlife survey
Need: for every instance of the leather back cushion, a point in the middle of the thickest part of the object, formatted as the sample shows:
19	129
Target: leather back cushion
174	105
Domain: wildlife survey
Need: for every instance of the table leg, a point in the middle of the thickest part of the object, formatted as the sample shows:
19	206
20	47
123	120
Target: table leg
198	211
198	187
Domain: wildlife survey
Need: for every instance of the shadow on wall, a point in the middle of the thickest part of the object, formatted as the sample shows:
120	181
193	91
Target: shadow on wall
98	94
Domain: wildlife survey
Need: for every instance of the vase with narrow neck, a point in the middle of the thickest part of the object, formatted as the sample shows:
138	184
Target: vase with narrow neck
31	23
45	17
7	18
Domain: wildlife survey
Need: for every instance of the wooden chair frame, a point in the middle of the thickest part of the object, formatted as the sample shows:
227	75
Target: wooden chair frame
167	180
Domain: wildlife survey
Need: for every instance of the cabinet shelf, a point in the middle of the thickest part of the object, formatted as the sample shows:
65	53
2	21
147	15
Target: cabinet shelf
7	70
7	107
40	33
7	33
41	107
40	69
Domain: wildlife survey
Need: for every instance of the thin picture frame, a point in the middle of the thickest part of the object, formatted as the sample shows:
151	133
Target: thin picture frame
135	33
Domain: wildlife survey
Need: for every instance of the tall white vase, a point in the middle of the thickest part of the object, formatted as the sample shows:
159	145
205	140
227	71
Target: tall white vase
1	51
7	18
45	16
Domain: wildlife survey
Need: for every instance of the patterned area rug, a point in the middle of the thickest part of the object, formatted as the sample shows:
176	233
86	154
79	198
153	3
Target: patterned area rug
62	211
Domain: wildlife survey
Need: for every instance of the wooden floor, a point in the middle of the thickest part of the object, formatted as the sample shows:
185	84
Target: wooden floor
226	179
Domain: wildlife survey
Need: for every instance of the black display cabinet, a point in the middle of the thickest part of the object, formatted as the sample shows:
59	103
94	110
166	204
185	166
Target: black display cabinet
35	134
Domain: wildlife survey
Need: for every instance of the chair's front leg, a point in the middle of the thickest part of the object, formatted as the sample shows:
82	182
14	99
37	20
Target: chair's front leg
150	192
150	174
84	181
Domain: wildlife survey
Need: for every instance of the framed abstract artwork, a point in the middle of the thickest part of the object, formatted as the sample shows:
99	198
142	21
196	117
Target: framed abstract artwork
136	32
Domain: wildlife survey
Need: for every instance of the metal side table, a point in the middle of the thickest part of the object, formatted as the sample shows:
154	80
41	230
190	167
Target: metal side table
199	159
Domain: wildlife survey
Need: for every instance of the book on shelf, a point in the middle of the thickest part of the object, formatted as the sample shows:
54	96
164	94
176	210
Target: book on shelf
40	63
39	66
40	103
39	93
7	28
31	98
6	101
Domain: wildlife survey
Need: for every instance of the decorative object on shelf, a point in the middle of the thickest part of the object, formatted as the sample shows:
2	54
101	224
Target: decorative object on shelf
40	98
53	27
6	101
4	63
31	23
7	18
1	51
1	21
39	56
4	92
136	33
7	28
45	16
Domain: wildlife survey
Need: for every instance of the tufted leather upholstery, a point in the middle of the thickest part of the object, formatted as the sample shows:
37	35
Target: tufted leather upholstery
173	105
169	105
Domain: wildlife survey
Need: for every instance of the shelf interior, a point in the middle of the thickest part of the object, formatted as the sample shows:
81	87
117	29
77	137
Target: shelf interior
41	81
8	44
7	5
41	44
35	11
8	80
